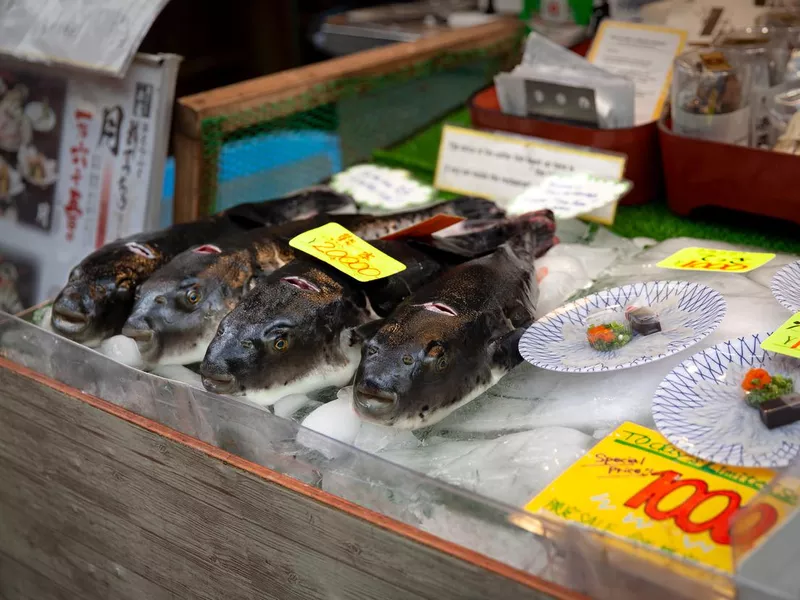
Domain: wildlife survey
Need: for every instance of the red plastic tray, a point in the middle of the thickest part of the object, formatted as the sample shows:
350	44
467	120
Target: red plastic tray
640	144
701	173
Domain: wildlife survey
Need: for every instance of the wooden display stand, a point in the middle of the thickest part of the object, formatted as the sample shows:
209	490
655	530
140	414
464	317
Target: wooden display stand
196	171
98	502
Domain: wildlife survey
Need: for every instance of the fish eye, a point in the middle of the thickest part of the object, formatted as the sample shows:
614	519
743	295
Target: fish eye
280	344
441	364
408	359
193	296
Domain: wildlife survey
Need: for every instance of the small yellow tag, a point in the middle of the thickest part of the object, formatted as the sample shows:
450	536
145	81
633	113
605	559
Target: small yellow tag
344	250
710	259
786	339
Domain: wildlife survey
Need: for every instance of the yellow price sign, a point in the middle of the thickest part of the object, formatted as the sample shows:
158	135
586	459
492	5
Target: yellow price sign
711	259
344	250
637	485
786	339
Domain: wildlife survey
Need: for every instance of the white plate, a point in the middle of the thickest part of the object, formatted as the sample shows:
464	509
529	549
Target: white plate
688	312
786	286
700	407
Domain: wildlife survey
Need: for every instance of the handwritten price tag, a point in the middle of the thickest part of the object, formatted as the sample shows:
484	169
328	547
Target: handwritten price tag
344	250
710	259
786	339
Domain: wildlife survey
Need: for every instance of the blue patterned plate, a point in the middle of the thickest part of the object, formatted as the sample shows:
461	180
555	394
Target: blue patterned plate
786	286
700	407
688	312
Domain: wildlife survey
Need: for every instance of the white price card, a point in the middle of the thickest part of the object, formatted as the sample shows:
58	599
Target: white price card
642	53
573	195
382	187
500	167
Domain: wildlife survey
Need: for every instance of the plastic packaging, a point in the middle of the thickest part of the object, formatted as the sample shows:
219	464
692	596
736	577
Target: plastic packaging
711	96
766	50
555	83
783	104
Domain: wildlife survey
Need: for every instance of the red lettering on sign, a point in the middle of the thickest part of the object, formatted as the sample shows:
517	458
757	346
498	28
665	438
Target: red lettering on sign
745	533
652	494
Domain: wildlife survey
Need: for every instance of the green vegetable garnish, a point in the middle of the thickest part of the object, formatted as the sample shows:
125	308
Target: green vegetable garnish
608	336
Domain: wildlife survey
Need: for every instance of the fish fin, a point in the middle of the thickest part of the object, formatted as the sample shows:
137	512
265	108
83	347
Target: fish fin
535	236
505	349
358	335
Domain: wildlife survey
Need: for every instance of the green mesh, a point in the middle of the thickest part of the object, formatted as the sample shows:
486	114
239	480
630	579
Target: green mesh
275	148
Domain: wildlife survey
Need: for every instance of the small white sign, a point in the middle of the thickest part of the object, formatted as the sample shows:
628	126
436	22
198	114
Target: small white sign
570	196
642	53
501	167
381	187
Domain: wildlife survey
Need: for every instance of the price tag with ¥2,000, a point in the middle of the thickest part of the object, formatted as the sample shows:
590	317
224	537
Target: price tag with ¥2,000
710	259
344	250
786	339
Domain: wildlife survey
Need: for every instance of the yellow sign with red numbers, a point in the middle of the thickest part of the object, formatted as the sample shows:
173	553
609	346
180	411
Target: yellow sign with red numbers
711	259
637	485
786	339
344	250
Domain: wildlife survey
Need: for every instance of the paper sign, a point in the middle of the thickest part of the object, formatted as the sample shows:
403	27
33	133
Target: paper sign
786	339
569	196
636	485
711	259
381	187
427	228
344	250
642	53
500	167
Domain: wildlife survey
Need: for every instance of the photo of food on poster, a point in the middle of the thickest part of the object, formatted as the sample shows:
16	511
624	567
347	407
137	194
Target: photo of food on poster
31	111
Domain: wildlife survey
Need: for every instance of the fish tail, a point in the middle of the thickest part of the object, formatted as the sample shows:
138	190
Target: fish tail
535	236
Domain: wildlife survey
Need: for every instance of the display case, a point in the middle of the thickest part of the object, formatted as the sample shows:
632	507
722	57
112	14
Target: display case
118	483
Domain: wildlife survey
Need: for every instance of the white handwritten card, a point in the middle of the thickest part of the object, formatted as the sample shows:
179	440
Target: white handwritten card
500	167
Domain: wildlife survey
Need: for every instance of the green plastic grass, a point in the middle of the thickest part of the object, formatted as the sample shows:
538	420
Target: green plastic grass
418	154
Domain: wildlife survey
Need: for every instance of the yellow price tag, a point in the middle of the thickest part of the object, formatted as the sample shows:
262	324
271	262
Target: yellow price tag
786	339
636	485
710	259
344	250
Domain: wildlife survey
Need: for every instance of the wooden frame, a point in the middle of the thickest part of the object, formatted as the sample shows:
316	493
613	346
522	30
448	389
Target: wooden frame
194	189
98	502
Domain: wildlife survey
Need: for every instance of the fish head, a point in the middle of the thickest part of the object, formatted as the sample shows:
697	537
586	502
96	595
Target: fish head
178	309
284	336
419	364
100	291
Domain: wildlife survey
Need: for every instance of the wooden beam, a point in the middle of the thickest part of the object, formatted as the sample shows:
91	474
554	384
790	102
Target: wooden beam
255	93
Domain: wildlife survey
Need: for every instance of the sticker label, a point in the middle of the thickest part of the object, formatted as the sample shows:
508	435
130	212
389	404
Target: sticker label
344	250
635	484
786	339
427	228
710	259
141	250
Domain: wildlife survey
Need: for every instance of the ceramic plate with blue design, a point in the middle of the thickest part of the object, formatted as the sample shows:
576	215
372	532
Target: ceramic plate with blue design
688	312
786	287
700	407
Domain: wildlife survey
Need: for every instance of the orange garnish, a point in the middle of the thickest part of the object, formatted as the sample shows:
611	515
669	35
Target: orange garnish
756	379
600	333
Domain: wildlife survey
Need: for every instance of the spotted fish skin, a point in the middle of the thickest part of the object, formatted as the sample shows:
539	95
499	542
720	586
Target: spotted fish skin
291	332
179	308
453	338
100	292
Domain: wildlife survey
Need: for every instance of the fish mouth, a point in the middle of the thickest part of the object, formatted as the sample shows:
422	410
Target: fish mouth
372	403
145	339
219	383
69	322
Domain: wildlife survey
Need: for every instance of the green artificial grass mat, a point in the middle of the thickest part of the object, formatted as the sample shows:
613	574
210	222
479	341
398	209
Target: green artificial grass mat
418	154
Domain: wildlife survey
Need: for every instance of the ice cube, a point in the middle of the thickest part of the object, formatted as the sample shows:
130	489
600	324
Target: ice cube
511	468
123	350
179	373
289	405
376	438
335	420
